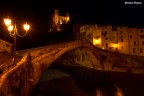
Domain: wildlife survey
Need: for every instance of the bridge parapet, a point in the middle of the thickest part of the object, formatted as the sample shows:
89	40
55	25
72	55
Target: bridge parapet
17	81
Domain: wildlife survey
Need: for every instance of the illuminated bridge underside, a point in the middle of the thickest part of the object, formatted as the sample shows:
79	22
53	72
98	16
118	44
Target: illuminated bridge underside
35	61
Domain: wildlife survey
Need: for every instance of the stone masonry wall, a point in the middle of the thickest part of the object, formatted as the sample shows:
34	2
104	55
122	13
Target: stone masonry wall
18	81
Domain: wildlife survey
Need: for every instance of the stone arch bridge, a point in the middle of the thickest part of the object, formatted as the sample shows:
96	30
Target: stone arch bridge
22	78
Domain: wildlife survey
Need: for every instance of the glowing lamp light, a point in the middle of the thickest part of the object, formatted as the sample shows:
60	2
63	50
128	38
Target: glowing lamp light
26	26
14	29
7	22
10	28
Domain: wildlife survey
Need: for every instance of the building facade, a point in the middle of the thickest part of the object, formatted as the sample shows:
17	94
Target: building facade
5	47
121	39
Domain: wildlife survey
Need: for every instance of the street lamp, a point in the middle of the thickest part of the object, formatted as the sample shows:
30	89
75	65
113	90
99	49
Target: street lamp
13	30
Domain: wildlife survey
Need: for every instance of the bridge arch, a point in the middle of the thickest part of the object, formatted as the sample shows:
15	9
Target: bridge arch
41	60
27	72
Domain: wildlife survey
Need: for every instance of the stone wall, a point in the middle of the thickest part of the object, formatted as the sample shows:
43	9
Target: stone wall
18	80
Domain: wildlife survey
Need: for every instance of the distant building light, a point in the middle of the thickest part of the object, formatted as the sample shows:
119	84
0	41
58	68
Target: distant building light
96	41
115	45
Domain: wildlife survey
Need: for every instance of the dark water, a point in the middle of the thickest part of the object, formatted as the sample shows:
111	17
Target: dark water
80	81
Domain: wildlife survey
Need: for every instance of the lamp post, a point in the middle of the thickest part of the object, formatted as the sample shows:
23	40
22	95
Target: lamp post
13	30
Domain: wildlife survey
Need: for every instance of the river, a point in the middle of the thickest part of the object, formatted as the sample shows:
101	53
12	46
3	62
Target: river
63	80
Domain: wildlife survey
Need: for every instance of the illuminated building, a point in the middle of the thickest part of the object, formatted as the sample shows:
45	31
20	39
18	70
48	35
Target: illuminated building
58	20
121	39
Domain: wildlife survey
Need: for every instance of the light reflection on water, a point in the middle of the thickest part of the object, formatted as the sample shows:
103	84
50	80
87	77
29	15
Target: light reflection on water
119	92
100	92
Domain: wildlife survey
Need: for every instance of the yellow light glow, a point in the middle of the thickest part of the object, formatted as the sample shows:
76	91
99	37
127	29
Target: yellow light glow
10	28
7	22
115	45
119	92
96	41
67	19
26	26
60	21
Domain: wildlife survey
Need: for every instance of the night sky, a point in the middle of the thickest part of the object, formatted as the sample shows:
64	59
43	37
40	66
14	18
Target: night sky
37	13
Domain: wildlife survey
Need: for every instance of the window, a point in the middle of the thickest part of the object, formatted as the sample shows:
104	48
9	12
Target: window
130	36
141	50
142	42
106	44
141	36
7	45
121	40
105	32
106	38
134	51
134	43
114	28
